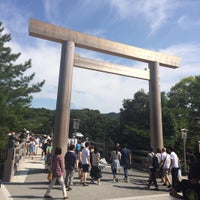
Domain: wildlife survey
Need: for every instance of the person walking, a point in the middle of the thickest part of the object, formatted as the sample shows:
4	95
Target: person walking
32	148
166	161
95	172
115	162
152	169
85	163
160	170
126	161
57	168
71	163
80	169
174	166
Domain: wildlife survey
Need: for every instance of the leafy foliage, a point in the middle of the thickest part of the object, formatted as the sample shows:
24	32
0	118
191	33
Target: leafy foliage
185	105
16	90
96	126
135	122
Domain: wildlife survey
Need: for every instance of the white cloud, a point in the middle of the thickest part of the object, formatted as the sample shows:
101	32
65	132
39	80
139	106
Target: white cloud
189	54
156	12
45	64
13	18
186	23
52	9
103	91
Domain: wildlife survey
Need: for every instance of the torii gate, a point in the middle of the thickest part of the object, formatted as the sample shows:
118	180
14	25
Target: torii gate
71	39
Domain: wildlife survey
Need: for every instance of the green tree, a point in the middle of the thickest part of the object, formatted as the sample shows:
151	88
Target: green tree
16	88
168	122
39	120
185	105
96	126
135	121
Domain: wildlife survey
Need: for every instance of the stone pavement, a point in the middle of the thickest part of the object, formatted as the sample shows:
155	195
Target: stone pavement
31	183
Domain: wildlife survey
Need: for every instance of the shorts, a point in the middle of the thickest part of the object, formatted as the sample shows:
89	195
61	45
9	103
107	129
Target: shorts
166	171
80	165
85	167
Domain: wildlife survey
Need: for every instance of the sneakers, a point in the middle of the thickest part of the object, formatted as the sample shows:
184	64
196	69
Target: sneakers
92	181
69	188
115	180
98	183
169	186
126	180
85	184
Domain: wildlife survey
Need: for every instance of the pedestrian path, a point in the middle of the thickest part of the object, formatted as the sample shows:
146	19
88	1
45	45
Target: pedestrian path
31	183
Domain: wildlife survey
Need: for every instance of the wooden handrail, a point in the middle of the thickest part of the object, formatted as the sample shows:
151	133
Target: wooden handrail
14	157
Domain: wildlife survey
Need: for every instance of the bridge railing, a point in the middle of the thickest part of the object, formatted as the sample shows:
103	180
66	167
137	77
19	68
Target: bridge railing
139	158
14	159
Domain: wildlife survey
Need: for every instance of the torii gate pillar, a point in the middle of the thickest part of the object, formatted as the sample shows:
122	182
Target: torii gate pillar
155	106
64	96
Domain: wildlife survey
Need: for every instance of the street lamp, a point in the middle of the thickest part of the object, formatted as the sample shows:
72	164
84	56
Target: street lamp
184	137
76	123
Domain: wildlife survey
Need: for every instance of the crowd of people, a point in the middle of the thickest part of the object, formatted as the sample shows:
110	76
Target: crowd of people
85	158
165	165
77	158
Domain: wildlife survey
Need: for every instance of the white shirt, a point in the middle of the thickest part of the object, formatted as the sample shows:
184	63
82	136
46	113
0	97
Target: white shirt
166	159
174	159
159	156
85	156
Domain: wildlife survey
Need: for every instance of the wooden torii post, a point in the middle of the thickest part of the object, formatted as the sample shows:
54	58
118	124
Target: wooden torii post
71	39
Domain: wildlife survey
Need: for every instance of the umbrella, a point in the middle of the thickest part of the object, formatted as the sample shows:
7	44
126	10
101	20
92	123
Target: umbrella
78	134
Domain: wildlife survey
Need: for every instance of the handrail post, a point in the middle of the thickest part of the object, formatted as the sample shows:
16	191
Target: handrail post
9	165
11	161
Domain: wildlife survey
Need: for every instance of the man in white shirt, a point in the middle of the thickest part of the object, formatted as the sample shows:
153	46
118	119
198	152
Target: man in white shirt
85	163
166	161
174	166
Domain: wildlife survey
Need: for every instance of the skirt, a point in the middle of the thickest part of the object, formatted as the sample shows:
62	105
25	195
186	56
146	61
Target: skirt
95	172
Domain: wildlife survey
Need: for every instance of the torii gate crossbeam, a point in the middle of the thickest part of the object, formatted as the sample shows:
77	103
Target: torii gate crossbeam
87	63
71	39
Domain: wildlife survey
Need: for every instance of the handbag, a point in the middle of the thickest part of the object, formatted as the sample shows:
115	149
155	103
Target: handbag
50	176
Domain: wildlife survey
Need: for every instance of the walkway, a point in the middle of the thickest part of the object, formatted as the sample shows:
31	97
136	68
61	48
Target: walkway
31	183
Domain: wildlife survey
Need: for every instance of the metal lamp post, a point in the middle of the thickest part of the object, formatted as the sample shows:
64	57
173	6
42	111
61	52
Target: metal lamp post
184	137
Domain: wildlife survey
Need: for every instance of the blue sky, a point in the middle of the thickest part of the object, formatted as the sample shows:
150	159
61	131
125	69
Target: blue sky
169	26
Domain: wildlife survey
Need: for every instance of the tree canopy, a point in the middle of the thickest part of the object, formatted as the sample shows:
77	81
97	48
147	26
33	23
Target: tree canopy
15	84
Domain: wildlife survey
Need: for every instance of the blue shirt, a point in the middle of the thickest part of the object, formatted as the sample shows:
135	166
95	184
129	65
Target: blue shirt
125	156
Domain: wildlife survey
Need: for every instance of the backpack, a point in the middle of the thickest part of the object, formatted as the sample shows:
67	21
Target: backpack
155	162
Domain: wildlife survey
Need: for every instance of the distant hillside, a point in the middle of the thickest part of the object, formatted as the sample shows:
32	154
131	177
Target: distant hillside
112	115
